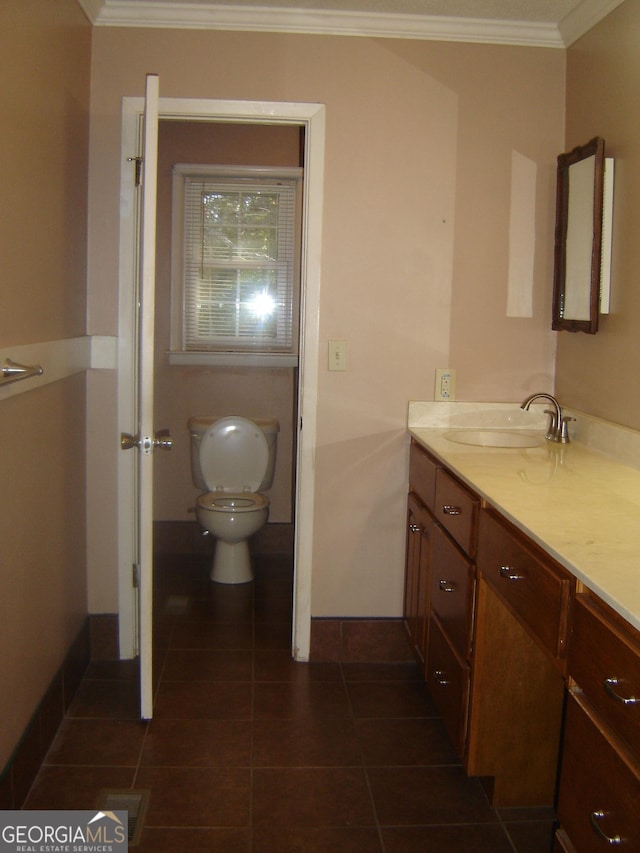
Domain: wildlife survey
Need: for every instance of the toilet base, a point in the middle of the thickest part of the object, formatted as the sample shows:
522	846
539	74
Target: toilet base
231	563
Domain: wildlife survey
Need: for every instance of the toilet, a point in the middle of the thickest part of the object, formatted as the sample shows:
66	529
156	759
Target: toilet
232	461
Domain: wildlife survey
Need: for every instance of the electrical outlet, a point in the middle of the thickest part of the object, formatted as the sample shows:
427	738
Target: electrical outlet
445	384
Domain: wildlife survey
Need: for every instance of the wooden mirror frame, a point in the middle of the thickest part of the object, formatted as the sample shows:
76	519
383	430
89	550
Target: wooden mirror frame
592	212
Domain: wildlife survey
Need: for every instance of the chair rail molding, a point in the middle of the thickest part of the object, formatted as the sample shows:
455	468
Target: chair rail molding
59	359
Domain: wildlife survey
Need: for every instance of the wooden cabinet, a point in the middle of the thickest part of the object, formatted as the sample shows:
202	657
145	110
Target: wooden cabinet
422	475
416	588
448	680
599	799
599	793
535	589
456	508
451	591
517	685
422	487
604	663
538	685
439	584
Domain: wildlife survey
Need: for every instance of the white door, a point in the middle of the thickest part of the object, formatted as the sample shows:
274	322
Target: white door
135	620
145	440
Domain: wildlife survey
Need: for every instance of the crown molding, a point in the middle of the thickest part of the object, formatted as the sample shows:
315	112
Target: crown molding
141	13
585	16
211	16
92	9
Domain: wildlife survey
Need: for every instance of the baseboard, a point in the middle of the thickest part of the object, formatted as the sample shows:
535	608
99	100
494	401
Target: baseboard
105	640
359	641
23	766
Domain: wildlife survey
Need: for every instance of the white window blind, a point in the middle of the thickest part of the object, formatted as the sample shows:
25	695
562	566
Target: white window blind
239	257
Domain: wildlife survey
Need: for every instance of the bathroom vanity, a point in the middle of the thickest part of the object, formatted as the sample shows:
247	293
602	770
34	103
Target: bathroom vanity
522	598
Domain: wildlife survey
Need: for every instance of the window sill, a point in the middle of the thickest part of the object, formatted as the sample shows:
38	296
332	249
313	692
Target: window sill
233	359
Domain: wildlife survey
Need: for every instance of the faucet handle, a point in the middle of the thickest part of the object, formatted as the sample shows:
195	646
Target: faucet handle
552	428
564	431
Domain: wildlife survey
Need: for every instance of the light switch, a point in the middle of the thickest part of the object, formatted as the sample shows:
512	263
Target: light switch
337	355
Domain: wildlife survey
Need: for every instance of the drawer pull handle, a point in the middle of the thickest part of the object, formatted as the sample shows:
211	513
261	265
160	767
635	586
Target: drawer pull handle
609	684
510	574
449	509
447	586
439	678
611	840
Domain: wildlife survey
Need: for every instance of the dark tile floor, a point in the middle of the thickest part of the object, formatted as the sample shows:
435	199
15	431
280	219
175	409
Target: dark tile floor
249	751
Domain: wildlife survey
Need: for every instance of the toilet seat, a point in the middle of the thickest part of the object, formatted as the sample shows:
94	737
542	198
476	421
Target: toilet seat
234	456
232	502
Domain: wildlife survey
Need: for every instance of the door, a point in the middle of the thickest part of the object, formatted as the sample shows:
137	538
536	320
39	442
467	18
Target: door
312	118
144	440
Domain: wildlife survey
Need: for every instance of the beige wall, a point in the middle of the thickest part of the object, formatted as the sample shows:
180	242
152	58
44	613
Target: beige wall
419	144
599	373
182	391
45	56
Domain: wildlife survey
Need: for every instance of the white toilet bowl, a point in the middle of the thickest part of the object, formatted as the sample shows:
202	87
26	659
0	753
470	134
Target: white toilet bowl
232	518
233	458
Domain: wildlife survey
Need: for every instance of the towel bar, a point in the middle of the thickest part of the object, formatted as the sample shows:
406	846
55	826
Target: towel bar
14	372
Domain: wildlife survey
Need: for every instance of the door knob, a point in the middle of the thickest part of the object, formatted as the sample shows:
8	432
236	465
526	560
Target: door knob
128	441
162	440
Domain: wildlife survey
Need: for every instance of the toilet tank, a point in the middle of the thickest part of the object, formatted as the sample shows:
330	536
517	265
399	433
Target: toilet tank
199	424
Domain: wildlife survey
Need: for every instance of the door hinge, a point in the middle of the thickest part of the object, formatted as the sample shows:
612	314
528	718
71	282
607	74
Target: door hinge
300	427
138	173
135	575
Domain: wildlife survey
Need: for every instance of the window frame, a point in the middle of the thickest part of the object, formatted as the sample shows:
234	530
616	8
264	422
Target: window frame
228	355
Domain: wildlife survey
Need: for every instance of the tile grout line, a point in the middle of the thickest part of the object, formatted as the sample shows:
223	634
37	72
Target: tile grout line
362	759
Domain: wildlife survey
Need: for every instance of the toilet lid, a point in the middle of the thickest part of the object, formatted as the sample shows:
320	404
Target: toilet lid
234	455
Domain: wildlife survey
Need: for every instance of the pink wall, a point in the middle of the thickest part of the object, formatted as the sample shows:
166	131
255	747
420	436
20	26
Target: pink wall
419	144
45	50
599	373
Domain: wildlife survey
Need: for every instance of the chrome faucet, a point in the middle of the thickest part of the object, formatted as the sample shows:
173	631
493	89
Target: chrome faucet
557	429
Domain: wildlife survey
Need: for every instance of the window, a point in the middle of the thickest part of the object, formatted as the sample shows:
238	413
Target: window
235	259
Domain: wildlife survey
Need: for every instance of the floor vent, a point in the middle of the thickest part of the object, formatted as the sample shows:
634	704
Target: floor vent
133	802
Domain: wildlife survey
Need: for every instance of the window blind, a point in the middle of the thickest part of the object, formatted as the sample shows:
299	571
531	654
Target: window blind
239	248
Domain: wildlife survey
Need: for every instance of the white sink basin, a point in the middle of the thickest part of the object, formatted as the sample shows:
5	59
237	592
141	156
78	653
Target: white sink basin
495	438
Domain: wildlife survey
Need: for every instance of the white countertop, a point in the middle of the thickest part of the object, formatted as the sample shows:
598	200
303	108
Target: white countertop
580	505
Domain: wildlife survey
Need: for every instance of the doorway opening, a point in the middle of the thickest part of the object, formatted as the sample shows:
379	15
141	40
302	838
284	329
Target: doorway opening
310	118
214	383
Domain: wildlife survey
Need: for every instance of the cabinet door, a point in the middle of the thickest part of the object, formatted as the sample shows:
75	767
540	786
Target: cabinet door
416	590
517	701
599	788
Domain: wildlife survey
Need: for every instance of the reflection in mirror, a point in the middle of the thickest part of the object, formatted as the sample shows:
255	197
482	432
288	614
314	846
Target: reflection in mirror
578	247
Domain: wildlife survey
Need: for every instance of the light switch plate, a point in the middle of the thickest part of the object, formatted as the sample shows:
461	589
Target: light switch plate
337	355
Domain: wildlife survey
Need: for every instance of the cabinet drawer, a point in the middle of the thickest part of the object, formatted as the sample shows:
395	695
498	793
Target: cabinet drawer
422	475
456	509
451	590
604	660
599	789
448	681
536	591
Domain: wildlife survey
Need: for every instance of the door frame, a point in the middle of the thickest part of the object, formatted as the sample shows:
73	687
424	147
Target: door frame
312	118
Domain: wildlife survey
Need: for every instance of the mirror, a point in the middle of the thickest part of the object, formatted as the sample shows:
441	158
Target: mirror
578	238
